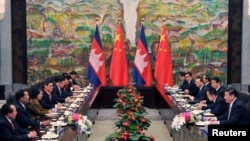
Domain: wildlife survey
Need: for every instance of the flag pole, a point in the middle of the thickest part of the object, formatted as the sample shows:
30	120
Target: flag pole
119	20
96	20
142	21
164	20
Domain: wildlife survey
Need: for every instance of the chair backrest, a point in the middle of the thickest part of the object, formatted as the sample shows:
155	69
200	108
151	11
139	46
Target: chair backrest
10	98
244	96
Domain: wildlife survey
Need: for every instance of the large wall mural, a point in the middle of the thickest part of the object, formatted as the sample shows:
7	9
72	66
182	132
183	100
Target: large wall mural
59	33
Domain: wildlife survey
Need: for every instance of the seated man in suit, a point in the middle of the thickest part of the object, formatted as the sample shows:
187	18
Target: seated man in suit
216	83
58	90
73	76
49	99
236	111
207	81
23	118
201	95
67	85
217	105
9	130
183	82
190	88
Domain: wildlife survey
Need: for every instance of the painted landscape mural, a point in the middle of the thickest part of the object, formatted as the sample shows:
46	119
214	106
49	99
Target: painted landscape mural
59	33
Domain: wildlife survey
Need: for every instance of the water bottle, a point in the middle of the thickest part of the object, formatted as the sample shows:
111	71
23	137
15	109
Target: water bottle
58	128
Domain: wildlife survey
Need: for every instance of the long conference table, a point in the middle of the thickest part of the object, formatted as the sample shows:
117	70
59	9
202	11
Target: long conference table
154	97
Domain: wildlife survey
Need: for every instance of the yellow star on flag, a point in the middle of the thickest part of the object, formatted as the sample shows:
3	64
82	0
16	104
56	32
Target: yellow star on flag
117	37
163	37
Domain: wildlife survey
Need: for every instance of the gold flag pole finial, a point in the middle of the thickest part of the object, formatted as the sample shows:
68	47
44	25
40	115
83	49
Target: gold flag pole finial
119	20
96	20
164	19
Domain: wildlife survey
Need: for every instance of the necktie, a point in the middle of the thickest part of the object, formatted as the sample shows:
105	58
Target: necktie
229	112
50	97
11	123
60	92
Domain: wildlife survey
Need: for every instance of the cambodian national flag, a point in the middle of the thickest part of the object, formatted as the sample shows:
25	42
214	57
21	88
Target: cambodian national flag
96	64
142	72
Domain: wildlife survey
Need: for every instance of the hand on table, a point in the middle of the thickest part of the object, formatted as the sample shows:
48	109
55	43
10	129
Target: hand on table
32	134
45	122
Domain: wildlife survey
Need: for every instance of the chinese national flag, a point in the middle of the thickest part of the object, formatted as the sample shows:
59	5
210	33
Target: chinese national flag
163	64
119	66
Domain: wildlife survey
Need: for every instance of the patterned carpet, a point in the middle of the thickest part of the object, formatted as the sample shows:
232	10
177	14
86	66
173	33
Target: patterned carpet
104	123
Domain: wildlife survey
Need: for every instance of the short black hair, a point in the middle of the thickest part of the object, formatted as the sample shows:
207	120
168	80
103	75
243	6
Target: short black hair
216	79
232	91
207	77
212	91
6	109
20	93
73	72
189	73
58	78
199	77
66	76
182	73
34	91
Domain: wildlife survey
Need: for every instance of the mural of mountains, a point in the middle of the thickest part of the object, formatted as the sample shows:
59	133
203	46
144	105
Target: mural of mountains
59	33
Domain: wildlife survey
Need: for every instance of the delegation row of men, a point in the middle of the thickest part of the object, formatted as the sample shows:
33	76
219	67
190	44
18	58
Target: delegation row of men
25	112
223	102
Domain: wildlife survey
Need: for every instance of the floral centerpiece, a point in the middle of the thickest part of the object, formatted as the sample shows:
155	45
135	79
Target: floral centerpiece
82	122
181	120
132	123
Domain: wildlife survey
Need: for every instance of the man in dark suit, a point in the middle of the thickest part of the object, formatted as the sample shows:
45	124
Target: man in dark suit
201	95
58	89
73	75
236	112
182	80
49	99
23	118
67	85
216	83
207	81
217	105
190	88
9	130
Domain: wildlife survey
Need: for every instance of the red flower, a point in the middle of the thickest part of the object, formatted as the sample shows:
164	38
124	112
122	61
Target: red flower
126	124
152	138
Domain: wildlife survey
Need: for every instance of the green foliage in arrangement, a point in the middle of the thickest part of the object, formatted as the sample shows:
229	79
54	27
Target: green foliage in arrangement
132	123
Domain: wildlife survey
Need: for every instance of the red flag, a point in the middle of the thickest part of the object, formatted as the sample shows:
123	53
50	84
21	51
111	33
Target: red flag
119	65
96	66
163	64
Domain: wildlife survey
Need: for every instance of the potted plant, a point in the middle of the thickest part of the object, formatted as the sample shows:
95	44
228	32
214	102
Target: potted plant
132	123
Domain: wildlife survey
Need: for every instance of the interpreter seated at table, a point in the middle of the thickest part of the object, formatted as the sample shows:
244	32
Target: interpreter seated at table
67	86
74	85
23	118
34	107
182	81
217	105
190	88
49	100
201	95
57	90
236	111
9	130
